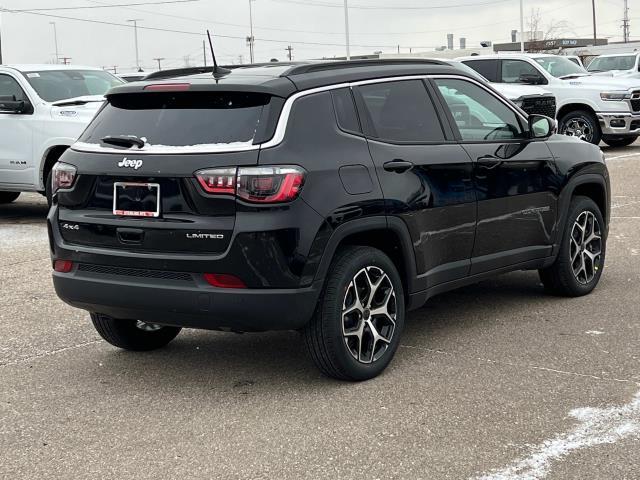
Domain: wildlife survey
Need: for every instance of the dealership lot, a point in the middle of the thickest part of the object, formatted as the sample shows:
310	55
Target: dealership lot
487	381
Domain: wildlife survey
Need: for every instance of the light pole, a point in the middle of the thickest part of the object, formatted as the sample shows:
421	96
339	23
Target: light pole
251	39
55	39
346	28
593	8
522	26
135	36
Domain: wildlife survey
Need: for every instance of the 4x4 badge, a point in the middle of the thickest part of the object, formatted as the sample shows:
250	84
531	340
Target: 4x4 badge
126	163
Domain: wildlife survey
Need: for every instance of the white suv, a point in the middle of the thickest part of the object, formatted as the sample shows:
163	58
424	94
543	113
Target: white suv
591	107
43	109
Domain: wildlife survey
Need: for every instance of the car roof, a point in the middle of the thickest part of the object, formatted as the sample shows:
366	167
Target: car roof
629	54
284	79
46	67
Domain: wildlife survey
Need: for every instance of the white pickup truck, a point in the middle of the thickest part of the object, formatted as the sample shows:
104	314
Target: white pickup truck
591	107
43	110
617	64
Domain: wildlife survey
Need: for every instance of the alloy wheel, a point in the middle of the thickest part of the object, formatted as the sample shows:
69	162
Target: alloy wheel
579	127
369	314
586	247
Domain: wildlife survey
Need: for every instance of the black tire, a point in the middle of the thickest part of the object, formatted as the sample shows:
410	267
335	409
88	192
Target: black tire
324	338
595	134
559	278
619	141
125	334
48	188
8	197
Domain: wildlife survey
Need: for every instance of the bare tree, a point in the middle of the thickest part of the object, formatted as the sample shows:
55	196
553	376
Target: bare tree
542	33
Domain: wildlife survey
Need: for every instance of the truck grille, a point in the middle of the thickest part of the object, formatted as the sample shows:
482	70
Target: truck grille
135	272
540	106
635	101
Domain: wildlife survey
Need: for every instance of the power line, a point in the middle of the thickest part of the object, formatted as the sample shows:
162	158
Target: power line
394	7
185	32
87	7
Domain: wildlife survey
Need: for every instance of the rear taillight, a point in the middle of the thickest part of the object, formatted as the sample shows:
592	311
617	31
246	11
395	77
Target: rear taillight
218	180
63	176
275	184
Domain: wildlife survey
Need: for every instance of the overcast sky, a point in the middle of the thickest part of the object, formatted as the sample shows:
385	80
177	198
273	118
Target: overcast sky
314	28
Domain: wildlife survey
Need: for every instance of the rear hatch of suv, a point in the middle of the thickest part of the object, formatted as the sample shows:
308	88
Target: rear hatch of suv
157	170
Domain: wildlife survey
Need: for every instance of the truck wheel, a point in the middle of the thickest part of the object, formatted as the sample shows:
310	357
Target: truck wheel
619	141
8	197
48	188
133	334
578	267
581	124
356	328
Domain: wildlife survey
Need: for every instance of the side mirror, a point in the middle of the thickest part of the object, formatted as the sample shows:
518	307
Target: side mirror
9	104
531	79
541	126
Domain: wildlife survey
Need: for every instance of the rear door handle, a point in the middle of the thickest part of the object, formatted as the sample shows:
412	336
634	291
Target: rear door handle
398	166
489	162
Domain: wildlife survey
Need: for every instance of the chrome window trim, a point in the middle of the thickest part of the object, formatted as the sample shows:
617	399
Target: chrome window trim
283	120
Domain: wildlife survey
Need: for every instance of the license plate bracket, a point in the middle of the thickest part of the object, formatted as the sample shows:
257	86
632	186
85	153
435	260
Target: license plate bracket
136	199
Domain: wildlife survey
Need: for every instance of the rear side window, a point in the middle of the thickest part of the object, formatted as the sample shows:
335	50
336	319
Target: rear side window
345	109
181	118
487	68
402	112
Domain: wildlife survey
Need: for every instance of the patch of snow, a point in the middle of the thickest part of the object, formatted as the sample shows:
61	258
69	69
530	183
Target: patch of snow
168	149
594	332
597	426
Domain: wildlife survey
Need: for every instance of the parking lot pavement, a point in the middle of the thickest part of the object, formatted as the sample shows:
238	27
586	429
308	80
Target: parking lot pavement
497	380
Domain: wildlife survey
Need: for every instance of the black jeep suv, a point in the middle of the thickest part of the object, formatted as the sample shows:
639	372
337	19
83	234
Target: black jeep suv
328	198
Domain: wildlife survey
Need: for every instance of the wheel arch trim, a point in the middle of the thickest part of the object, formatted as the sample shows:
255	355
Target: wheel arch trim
395	225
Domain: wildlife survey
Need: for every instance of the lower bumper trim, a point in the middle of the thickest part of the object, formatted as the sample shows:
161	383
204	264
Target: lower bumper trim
187	305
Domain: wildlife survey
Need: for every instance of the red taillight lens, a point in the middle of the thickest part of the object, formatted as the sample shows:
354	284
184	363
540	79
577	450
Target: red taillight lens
270	184
63	266
63	176
218	180
254	184
168	87
222	280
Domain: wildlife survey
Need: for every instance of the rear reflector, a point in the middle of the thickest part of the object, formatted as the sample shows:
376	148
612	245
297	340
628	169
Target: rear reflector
168	87
63	266
222	280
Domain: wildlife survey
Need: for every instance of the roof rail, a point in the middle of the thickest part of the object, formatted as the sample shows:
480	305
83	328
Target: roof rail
334	65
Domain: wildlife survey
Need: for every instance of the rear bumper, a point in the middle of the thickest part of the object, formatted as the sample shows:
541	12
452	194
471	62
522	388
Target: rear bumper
192	304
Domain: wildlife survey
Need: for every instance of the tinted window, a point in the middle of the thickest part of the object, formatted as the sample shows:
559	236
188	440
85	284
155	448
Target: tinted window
10	88
345	110
55	85
402	112
513	69
478	114
180	119
487	68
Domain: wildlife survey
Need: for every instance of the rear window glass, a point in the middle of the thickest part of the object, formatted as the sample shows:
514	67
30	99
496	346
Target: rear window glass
56	85
180	119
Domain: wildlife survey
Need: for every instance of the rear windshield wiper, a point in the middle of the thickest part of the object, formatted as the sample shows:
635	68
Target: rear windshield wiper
126	141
